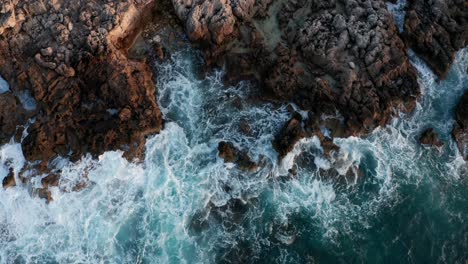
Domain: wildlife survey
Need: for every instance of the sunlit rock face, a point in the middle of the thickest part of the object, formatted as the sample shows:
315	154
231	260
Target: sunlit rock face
66	62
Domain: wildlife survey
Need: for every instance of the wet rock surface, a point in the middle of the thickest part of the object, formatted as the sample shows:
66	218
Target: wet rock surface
430	138
289	135
460	131
337	57
436	30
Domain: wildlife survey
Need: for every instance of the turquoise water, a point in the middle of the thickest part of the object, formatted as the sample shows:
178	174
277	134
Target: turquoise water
402	203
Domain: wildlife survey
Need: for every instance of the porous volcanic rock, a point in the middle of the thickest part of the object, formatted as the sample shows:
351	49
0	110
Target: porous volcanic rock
436	30
339	60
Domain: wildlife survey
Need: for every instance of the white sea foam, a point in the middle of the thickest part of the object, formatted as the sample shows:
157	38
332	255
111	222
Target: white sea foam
142	213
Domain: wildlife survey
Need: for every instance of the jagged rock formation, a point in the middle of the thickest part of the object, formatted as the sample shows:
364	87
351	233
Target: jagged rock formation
460	131
343	61
76	67
290	134
430	138
436	30
80	72
71	56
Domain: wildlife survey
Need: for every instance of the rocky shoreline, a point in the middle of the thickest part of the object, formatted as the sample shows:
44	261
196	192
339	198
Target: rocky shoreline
436	30
85	67
344	62
74	62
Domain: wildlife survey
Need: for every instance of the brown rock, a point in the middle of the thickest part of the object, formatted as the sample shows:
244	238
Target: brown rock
9	180
230	153
73	59
50	180
66	71
436	30
47	52
7	15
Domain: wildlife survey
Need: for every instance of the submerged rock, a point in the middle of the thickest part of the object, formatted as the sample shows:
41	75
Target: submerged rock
431	138
12	114
460	131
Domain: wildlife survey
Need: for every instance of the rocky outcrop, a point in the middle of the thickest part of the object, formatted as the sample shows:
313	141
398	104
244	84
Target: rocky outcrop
12	114
436	30
430	138
215	22
460	131
229	153
343	59
289	135
71	56
78	76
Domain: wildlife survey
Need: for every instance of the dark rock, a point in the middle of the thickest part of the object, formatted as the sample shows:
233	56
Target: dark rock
230	153
289	135
436	30
460	131
73	59
79	60
431	138
12	114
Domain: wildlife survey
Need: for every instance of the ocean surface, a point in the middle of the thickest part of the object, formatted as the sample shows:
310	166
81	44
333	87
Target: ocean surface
382	199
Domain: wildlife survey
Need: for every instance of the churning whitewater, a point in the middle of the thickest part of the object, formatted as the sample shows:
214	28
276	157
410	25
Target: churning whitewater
183	204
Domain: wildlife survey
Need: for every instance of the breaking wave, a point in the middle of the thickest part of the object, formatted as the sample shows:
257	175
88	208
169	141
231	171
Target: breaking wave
381	197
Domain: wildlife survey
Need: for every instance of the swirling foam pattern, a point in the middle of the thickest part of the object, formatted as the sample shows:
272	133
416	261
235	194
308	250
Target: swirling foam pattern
403	203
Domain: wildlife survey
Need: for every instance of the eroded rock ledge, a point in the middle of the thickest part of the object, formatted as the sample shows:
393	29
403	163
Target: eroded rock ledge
71	57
